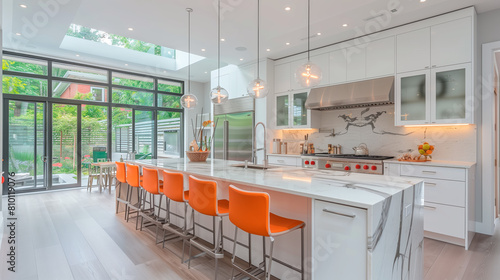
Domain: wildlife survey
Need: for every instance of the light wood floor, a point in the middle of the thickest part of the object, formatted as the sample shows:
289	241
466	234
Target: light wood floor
76	235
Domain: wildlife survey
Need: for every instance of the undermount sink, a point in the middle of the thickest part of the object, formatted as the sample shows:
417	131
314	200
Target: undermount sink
255	166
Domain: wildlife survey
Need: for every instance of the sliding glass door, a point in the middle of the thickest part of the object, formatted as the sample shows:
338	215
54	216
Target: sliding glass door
26	144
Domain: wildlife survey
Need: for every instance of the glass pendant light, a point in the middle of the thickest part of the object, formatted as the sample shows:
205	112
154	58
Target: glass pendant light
308	74
258	87
189	101
218	95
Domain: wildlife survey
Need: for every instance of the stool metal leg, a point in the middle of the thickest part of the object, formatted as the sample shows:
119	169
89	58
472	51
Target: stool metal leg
234	251
302	252
268	276
264	254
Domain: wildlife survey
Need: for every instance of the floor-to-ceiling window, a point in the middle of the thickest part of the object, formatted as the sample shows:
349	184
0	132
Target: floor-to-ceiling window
60	117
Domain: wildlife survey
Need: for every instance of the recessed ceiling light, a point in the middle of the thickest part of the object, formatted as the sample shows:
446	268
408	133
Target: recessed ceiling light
126	64
222	39
203	50
287	8
18	34
164	71
23	6
241	59
268	50
130	29
206	72
287	43
319	33
77	54
422	1
344	25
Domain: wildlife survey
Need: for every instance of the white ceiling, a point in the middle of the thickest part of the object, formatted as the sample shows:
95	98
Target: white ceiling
164	22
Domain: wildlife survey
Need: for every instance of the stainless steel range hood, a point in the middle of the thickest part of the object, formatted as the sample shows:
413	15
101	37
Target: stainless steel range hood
358	94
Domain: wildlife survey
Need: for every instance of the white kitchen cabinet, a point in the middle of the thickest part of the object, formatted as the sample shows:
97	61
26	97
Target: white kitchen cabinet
440	95
346	228
292	113
338	66
451	42
282	78
323	62
288	160
380	56
449	198
356	62
440	45
413	50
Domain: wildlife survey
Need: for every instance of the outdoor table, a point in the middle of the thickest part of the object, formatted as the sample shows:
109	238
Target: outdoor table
105	172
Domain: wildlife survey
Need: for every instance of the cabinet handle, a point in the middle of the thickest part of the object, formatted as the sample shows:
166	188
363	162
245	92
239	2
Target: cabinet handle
430	207
433	66
426	67
430	184
352	216
427	171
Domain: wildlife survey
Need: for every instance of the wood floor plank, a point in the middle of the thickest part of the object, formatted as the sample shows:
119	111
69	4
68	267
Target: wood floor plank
54	268
432	249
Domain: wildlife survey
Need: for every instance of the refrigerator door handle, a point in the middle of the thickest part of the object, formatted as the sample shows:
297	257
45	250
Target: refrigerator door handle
225	146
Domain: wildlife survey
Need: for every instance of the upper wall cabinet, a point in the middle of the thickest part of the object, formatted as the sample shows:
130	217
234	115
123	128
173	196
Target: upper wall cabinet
282	77
356	62
338	66
323	62
380	56
451	42
441	45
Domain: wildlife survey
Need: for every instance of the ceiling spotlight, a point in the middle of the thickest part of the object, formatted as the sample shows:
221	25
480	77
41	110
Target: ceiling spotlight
23	6
241	59
203	50
287	43
126	64
77	55
18	34
130	29
268	50
319	33
422	1
222	39
344	25
287	8
206	72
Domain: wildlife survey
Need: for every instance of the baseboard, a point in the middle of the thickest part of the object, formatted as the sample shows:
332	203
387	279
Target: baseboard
445	238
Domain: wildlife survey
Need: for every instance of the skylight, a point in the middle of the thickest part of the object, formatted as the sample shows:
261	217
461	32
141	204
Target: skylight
100	36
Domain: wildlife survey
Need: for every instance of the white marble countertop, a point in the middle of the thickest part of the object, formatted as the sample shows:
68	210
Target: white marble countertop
284	155
441	163
360	190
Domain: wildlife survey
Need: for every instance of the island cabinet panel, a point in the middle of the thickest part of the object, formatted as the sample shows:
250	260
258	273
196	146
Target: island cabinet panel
340	241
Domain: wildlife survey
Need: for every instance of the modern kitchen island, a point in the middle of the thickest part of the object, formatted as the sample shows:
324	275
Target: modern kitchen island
358	226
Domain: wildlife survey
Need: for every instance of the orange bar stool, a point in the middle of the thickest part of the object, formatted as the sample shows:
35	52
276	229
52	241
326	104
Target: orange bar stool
121	178
133	180
152	186
249	211
203	199
174	191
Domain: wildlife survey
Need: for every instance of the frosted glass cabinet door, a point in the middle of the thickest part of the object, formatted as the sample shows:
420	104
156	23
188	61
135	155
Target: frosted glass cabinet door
282	108
299	109
413	97
451	92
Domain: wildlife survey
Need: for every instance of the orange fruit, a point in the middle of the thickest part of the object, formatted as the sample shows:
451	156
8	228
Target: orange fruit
428	152
426	143
432	147
420	147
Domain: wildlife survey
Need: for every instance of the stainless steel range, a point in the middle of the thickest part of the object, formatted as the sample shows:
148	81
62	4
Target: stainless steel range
348	162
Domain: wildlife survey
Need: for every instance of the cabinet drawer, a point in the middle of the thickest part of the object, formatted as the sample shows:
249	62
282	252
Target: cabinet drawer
290	161
445	192
445	173
444	219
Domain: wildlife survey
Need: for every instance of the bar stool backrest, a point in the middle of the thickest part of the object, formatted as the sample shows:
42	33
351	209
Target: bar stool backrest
150	180
133	175
121	176
173	186
249	211
203	196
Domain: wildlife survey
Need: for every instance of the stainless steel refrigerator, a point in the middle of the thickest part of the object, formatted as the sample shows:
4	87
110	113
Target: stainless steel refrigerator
234	133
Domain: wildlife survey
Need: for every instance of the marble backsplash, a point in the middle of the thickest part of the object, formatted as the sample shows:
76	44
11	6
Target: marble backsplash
375	127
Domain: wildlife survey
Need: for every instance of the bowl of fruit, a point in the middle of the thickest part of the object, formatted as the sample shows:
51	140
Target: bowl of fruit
424	154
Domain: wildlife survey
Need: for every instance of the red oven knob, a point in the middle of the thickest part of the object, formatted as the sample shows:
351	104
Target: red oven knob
313	162
365	167
328	165
374	167
358	166
306	162
347	168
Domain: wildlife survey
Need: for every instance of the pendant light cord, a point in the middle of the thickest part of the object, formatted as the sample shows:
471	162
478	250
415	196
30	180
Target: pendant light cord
258	39
308	29
189	10
218	46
